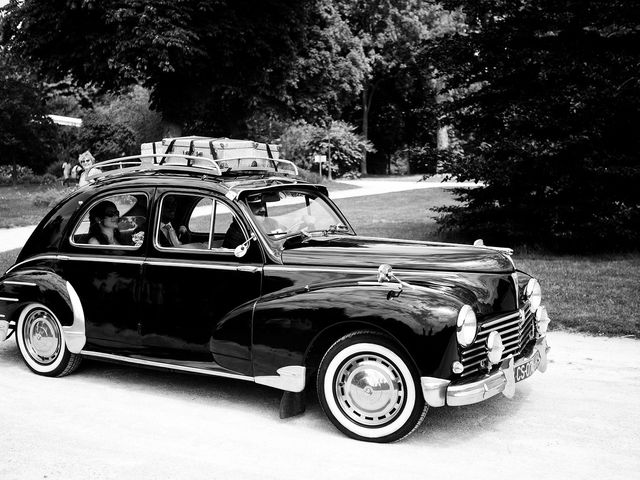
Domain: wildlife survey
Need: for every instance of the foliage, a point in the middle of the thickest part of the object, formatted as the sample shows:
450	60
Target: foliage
302	141
106	139
550	126
208	65
25	130
131	109
24	176
397	94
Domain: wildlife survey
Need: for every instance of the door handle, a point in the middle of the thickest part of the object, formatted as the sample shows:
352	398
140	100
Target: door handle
247	268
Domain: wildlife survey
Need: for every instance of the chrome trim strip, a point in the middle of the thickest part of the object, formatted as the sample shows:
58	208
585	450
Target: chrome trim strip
169	366
74	334
360	271
291	378
283	268
194	264
32	259
15	282
8	299
78	258
500	320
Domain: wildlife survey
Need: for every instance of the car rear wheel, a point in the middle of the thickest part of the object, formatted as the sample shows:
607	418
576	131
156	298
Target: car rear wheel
41	342
369	390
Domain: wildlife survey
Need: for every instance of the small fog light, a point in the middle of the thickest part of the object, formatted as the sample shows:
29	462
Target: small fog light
495	348
457	367
542	320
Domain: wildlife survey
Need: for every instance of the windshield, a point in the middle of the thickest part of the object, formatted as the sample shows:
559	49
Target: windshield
286	213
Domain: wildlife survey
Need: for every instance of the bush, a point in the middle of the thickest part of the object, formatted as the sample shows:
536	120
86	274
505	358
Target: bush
302	141
55	168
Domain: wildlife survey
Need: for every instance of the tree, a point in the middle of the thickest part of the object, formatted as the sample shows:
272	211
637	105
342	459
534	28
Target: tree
105	138
550	126
392	34
208	65
25	130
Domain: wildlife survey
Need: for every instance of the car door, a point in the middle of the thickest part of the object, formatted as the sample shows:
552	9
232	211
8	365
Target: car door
107	276
198	295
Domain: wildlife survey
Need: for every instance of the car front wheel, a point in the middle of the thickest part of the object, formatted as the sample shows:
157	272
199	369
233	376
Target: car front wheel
41	342
369	390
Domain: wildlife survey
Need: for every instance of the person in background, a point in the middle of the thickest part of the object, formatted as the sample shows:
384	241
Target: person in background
76	172
86	160
66	173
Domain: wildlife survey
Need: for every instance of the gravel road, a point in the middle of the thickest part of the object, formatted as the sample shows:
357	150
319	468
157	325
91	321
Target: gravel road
579	420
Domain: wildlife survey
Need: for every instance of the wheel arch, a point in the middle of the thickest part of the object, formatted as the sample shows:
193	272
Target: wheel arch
328	336
20	289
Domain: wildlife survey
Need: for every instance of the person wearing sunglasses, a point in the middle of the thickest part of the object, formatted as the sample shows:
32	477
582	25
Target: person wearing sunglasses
103	229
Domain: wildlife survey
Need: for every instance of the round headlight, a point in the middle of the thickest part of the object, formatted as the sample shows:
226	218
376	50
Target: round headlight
495	347
534	294
467	326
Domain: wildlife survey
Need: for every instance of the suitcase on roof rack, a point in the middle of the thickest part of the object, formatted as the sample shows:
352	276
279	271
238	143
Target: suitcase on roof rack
215	148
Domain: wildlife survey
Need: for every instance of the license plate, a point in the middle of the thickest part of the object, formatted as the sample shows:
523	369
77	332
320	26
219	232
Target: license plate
525	370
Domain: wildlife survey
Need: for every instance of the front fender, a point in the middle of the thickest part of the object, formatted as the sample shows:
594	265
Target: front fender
23	287
421	320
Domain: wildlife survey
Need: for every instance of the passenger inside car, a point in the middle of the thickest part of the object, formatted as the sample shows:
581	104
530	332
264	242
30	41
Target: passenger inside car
103	229
171	235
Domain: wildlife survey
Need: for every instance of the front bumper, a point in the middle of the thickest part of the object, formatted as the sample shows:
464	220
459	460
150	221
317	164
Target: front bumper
439	392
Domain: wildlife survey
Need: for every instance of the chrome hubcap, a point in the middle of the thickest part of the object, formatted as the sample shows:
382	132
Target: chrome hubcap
42	336
370	390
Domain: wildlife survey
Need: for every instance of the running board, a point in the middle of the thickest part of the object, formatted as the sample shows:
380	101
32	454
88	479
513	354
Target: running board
291	378
168	366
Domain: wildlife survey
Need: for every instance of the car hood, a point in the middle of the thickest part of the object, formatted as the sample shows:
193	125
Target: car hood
356	251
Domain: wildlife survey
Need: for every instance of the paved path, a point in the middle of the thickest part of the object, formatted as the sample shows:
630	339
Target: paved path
12	238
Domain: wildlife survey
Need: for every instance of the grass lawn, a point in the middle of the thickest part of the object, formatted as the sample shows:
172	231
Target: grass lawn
595	294
17	207
397	215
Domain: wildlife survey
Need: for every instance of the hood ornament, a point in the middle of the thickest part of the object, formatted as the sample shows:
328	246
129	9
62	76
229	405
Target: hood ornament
385	274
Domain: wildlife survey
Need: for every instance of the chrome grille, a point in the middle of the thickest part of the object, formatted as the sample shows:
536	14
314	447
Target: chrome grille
515	333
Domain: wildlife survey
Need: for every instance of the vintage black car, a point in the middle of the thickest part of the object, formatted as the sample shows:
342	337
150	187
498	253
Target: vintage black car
238	269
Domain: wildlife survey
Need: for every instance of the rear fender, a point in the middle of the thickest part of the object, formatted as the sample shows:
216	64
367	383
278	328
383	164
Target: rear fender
21	288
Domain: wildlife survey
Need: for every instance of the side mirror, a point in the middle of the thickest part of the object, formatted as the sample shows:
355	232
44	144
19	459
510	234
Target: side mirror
241	250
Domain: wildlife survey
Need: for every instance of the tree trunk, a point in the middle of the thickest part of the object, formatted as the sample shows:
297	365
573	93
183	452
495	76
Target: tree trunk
365	128
14	173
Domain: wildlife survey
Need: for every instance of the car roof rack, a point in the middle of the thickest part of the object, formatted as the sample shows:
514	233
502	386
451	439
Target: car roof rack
188	163
260	164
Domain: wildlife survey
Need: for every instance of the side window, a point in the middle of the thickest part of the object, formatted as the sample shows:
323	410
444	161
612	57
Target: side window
197	222
117	221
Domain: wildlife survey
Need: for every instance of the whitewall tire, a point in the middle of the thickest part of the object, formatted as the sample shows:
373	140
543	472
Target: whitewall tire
41	342
369	390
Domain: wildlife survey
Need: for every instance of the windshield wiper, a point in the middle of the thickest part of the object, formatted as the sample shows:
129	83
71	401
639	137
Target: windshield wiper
340	228
302	235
